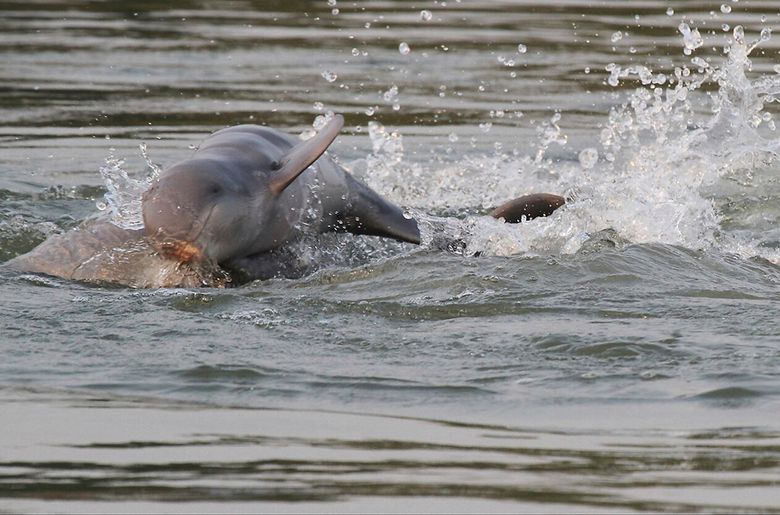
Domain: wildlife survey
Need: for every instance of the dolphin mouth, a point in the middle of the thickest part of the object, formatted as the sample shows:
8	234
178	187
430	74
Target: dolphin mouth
182	250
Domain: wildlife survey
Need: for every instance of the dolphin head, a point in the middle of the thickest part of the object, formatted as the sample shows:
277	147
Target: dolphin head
219	205
197	212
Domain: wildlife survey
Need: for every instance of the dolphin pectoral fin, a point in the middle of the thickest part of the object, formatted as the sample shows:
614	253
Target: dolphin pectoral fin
368	213
528	207
302	155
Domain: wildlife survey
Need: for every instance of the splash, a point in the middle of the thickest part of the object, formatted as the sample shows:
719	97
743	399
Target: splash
677	163
122	200
670	163
690	158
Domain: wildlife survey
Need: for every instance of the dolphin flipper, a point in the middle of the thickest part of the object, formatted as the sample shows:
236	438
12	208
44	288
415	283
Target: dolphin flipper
368	213
302	155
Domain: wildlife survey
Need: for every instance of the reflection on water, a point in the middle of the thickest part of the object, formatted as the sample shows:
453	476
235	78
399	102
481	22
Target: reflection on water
182	452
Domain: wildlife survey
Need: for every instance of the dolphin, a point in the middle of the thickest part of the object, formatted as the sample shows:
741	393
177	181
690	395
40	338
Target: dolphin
250	189
227	214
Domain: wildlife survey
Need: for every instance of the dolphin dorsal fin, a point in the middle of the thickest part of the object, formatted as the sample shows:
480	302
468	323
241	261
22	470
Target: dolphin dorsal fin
302	155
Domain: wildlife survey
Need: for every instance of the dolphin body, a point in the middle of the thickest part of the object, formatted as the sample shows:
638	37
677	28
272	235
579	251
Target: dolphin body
225	215
249	189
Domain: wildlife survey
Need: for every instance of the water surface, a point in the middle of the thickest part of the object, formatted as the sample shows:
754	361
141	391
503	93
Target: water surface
621	355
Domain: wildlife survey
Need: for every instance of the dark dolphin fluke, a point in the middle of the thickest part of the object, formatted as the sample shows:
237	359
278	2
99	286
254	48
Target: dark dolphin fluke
528	207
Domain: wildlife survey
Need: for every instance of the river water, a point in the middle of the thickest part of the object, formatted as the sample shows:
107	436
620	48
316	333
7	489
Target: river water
621	355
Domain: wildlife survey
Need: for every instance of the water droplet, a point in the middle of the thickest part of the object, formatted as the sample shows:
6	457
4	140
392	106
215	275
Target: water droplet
403	48
452	137
766	34
370	111
617	36
355	52
588	158
670	12
691	38
725	8
332	3
485	127
725	27
329	76
425	15
739	34
391	94
521	48
319	106
102	206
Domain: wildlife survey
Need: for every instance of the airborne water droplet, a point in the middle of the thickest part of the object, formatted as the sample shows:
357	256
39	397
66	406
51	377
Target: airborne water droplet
403	48
739	34
425	15
521	48
329	75
725	8
588	158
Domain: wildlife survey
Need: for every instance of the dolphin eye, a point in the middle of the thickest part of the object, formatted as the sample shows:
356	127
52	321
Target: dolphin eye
215	189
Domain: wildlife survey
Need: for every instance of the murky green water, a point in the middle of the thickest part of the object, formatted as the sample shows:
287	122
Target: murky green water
622	355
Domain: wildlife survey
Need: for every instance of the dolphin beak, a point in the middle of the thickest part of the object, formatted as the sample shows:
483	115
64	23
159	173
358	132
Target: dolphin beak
181	251
181	247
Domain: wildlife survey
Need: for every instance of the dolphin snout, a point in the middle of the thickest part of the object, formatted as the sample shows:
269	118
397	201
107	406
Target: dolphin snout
181	251
172	227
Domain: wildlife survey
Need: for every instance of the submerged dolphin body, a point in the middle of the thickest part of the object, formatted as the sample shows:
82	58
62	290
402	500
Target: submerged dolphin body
100	252
226	214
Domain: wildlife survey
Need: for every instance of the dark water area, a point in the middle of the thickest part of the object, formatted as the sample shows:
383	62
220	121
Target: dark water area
621	355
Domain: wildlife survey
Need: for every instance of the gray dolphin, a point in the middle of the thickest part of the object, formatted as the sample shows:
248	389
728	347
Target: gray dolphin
225	215
249	189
